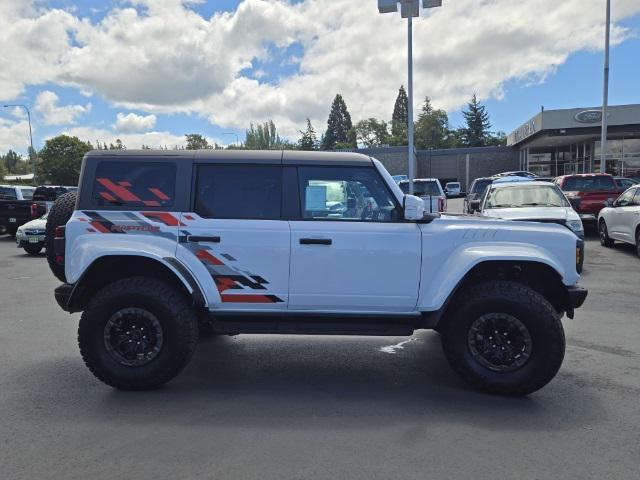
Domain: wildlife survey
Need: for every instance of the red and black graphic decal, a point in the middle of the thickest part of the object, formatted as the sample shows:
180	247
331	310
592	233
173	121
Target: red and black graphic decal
164	217
121	193
226	278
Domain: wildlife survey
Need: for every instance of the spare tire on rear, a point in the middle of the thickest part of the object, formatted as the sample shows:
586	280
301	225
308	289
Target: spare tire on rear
59	215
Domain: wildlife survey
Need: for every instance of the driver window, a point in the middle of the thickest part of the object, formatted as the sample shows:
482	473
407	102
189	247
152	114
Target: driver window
345	193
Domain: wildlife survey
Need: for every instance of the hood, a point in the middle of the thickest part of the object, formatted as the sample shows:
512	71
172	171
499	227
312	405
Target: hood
532	213
37	224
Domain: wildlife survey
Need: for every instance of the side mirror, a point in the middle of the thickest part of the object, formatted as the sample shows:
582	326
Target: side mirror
474	205
609	202
413	208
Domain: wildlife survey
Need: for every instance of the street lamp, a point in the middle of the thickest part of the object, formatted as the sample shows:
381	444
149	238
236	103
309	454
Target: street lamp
408	10
237	137
605	96
30	134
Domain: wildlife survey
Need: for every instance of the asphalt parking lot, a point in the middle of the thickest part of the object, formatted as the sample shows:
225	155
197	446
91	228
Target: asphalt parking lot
318	407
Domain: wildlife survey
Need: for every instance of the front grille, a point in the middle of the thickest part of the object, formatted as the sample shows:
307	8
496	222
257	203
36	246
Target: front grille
34	232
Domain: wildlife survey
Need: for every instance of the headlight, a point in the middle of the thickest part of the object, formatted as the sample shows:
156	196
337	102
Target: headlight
20	231
575	225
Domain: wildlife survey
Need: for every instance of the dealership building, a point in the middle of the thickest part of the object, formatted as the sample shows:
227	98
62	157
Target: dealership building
552	143
560	142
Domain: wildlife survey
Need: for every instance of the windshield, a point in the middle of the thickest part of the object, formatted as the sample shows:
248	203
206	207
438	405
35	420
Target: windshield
588	184
8	193
422	189
526	196
479	186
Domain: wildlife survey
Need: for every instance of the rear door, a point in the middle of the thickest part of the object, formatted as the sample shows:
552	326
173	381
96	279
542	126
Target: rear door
235	231
625	214
349	249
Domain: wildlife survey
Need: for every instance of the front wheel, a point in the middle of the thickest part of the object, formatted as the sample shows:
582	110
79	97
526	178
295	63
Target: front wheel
137	333
504	338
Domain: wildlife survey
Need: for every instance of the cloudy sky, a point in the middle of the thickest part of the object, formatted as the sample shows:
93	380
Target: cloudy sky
150	71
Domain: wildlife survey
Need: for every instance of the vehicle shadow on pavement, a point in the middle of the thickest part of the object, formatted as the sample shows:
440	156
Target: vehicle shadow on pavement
324	382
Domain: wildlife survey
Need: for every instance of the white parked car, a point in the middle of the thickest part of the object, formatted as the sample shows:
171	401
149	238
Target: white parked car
30	236
430	191
620	220
531	201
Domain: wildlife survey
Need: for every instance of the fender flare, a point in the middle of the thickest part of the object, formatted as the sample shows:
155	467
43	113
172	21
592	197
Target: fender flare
182	274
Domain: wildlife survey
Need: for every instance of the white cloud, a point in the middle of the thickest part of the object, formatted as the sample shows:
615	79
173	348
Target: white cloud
132	123
53	114
132	141
159	56
14	136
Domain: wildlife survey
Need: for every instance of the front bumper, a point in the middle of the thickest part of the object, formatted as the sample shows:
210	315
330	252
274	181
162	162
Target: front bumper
587	217
575	299
63	296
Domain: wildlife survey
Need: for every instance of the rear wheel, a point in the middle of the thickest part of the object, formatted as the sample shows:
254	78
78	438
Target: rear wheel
33	249
59	215
137	333
605	240
504	338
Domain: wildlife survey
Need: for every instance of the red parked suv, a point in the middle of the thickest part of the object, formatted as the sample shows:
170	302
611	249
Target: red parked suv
589	192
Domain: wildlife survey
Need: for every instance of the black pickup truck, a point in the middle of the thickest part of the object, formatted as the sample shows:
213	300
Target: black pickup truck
16	211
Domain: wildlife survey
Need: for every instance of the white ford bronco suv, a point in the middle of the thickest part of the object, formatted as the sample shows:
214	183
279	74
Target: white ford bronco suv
158	245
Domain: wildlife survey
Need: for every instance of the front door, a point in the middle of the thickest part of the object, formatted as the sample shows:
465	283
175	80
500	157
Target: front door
237	234
350	250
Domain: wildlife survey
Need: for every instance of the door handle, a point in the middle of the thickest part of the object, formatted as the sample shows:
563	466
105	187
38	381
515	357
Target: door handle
315	241
202	238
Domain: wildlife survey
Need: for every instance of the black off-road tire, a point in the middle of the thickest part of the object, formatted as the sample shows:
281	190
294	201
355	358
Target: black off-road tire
32	249
532	310
59	215
175	315
603	234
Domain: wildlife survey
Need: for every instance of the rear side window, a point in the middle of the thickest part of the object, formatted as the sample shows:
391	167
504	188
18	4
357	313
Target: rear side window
134	184
244	192
7	193
27	193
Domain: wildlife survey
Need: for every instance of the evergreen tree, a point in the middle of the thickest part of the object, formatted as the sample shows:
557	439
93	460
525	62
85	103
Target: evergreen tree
476	117
309	140
340	133
10	161
264	137
400	118
432	128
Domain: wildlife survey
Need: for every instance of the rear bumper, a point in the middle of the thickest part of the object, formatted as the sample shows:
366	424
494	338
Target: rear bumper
63	296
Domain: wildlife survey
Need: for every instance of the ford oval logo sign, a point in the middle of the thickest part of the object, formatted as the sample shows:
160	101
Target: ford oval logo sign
589	116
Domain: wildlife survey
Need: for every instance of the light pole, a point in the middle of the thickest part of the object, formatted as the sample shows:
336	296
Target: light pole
605	96
408	10
237	137
30	133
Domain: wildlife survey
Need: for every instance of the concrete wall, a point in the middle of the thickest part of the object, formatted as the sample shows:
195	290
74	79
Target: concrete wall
448	165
